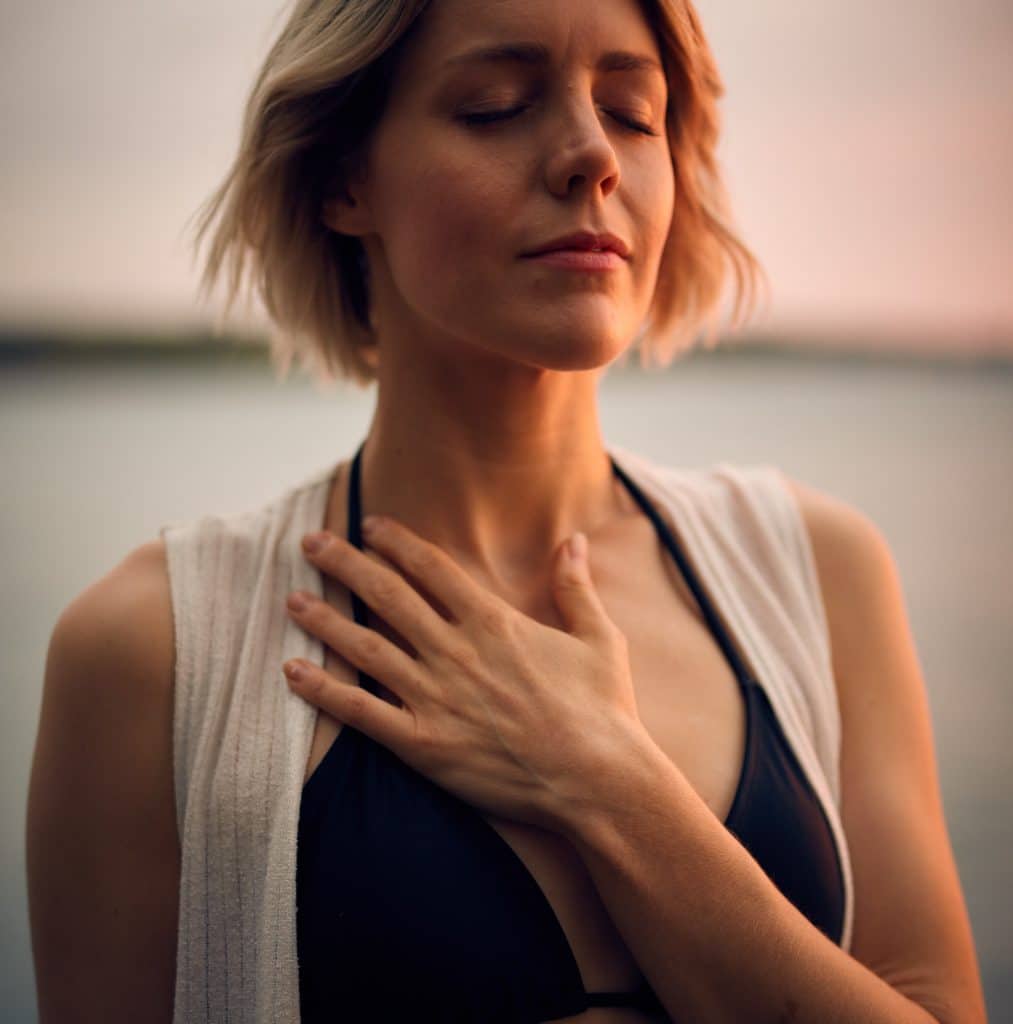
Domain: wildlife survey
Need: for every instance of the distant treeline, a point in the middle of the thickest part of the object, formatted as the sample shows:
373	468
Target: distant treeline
201	345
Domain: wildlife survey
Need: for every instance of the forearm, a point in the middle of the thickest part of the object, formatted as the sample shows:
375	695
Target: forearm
714	936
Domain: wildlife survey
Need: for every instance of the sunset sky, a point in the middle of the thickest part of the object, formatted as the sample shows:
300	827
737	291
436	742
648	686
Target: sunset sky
868	147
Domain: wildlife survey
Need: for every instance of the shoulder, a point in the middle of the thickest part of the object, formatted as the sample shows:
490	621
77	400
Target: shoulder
102	786
858	577
917	935
111	662
755	501
833	522
122	621
110	672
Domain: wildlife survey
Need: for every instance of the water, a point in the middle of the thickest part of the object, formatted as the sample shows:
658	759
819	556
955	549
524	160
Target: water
96	459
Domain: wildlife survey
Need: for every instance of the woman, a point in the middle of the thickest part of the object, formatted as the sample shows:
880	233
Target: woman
682	770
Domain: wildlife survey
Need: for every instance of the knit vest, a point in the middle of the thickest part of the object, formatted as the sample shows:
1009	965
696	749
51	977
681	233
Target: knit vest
241	738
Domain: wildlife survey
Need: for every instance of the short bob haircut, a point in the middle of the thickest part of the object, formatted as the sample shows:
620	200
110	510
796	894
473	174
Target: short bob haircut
307	121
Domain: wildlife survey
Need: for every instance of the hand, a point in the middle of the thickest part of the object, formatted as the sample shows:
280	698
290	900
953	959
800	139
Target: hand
512	716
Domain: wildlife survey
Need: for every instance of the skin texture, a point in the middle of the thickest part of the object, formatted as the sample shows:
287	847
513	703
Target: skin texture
674	881
499	709
487	392
489	363
102	849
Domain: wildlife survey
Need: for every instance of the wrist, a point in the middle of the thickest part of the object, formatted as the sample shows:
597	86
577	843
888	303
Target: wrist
605	783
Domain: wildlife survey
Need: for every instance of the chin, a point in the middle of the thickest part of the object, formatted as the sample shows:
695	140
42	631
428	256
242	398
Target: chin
575	354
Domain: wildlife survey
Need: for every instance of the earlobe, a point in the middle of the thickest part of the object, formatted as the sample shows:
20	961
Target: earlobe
340	214
346	212
344	208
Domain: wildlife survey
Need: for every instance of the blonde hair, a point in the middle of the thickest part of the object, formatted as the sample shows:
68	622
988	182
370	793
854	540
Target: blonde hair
307	122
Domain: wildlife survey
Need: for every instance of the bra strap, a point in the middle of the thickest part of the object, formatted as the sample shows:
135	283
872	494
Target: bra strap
671	542
354	534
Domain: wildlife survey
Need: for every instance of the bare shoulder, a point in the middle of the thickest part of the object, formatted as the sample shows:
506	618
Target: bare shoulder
853	563
112	650
870	634
839	531
102	845
911	925
122	620
875	663
111	654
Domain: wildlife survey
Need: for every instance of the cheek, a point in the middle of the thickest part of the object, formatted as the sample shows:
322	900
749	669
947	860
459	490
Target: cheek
453	216
651	186
652	205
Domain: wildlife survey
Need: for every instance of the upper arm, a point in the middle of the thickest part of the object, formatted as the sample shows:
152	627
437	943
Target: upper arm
911	926
101	840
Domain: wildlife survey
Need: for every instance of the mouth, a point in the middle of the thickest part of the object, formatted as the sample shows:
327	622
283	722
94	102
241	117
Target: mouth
584	241
594	260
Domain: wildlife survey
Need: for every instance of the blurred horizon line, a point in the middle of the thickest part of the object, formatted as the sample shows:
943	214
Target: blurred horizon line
118	341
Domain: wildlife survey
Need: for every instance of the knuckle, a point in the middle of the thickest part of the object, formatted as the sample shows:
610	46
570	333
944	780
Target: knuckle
422	561
384	591
426	747
465	657
335	556
493	620
314	686
368	645
355	704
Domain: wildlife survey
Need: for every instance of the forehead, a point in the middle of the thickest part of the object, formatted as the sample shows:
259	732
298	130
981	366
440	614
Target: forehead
462	33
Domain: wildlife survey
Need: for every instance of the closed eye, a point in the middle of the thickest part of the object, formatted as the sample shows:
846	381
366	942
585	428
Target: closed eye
489	116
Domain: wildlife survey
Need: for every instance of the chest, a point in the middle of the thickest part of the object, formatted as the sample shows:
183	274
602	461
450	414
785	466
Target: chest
690	703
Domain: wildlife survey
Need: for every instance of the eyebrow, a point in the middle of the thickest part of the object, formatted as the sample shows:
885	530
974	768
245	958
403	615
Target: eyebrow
535	54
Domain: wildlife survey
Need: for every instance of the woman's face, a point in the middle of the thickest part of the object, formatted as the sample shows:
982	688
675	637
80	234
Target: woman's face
450	204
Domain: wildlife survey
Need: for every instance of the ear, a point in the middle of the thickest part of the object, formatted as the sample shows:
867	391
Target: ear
346	213
345	208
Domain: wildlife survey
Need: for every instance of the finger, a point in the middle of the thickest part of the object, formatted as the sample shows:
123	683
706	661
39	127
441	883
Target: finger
353	705
385	590
363	647
428	564
577	597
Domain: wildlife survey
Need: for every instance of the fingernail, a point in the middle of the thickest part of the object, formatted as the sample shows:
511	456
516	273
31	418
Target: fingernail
297	602
578	546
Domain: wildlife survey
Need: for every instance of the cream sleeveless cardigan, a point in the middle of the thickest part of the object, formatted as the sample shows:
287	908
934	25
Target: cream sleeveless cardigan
241	738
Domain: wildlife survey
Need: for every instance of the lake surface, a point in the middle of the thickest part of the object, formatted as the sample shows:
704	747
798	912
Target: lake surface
96	458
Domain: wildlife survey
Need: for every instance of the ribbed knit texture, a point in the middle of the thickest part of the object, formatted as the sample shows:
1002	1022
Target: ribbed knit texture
241	738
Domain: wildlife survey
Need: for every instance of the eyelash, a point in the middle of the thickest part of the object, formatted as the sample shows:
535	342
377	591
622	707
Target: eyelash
487	117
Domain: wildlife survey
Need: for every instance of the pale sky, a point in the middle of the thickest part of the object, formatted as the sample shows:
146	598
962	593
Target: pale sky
868	147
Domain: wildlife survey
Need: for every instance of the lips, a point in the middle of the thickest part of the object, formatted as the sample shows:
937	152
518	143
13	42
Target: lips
584	241
591	260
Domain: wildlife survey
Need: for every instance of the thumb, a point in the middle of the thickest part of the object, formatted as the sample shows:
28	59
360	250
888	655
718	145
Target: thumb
574	591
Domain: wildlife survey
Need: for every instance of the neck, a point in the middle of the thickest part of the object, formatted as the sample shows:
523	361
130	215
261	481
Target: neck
495	468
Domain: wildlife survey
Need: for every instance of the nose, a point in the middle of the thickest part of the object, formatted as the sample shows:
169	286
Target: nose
582	154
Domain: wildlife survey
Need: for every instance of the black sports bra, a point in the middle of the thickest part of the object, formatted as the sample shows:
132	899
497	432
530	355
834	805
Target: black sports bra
411	906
